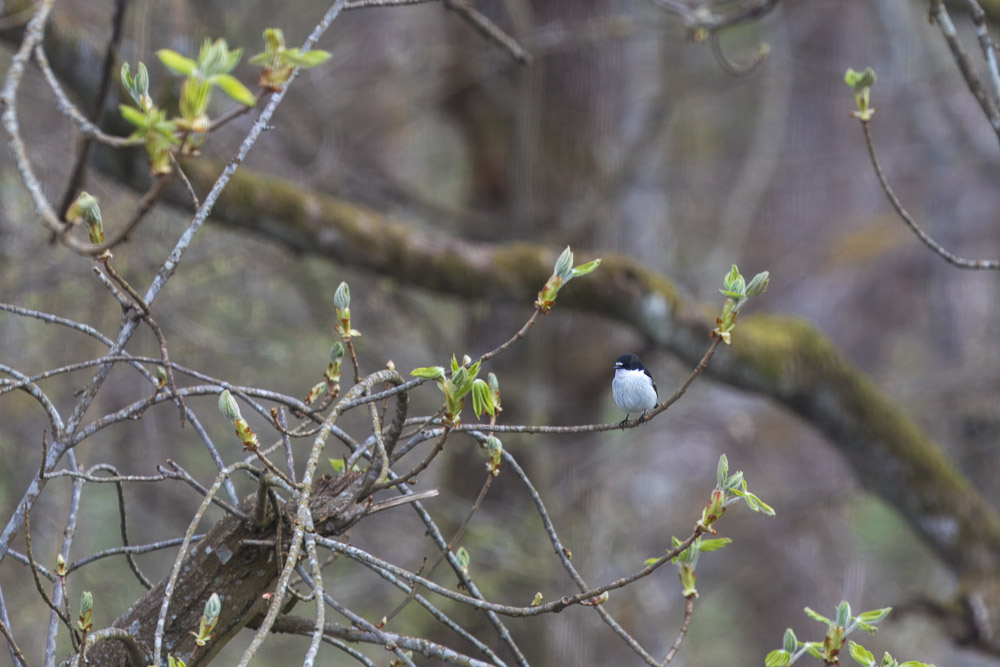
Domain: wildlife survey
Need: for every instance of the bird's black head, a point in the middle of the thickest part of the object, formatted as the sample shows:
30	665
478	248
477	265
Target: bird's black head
629	362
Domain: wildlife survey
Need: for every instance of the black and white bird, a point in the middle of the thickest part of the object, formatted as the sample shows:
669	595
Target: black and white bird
633	388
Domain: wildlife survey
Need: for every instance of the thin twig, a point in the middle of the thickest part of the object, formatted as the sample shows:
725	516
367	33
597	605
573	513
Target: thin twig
122	525
451	544
954	260
74	637
97	113
564	557
688	612
965	66
489	29
14	648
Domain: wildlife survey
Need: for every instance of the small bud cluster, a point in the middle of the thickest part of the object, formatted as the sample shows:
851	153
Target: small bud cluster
563	272
861	83
830	648
737	292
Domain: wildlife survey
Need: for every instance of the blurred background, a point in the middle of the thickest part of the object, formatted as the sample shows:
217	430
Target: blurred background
623	136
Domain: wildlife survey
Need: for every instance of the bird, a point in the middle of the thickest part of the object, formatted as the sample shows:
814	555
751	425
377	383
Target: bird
633	387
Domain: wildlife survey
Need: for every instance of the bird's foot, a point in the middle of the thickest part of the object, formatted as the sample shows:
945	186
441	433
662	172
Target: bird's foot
623	423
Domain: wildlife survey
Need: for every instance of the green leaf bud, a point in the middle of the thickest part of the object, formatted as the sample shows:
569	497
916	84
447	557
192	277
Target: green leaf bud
212	608
462	555
86	602
494	383
274	39
843	614
228	406
85	622
564	265
342	297
759	284
337	352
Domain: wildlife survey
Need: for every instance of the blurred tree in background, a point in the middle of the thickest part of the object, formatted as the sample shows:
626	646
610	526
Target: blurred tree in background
437	163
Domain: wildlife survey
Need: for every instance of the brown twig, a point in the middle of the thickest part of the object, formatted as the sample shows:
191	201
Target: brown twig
451	545
186	181
954	260
74	637
145	206
940	15
489	29
14	648
419	468
688	612
97	113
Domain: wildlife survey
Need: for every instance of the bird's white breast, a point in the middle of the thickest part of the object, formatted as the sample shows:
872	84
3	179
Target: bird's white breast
633	391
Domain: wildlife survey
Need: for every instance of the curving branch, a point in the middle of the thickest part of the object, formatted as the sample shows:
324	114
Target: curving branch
783	358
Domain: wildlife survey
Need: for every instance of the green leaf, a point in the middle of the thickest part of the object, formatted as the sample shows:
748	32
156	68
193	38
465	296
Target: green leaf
815	649
875	615
735	480
915	663
817	617
176	62
652	561
859	80
264	58
761	506
231	86
861	655
790	641
463	557
714	545
428	372
721	472
777	658
584	269
133	115
305	60
337	465
867	627
482	399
